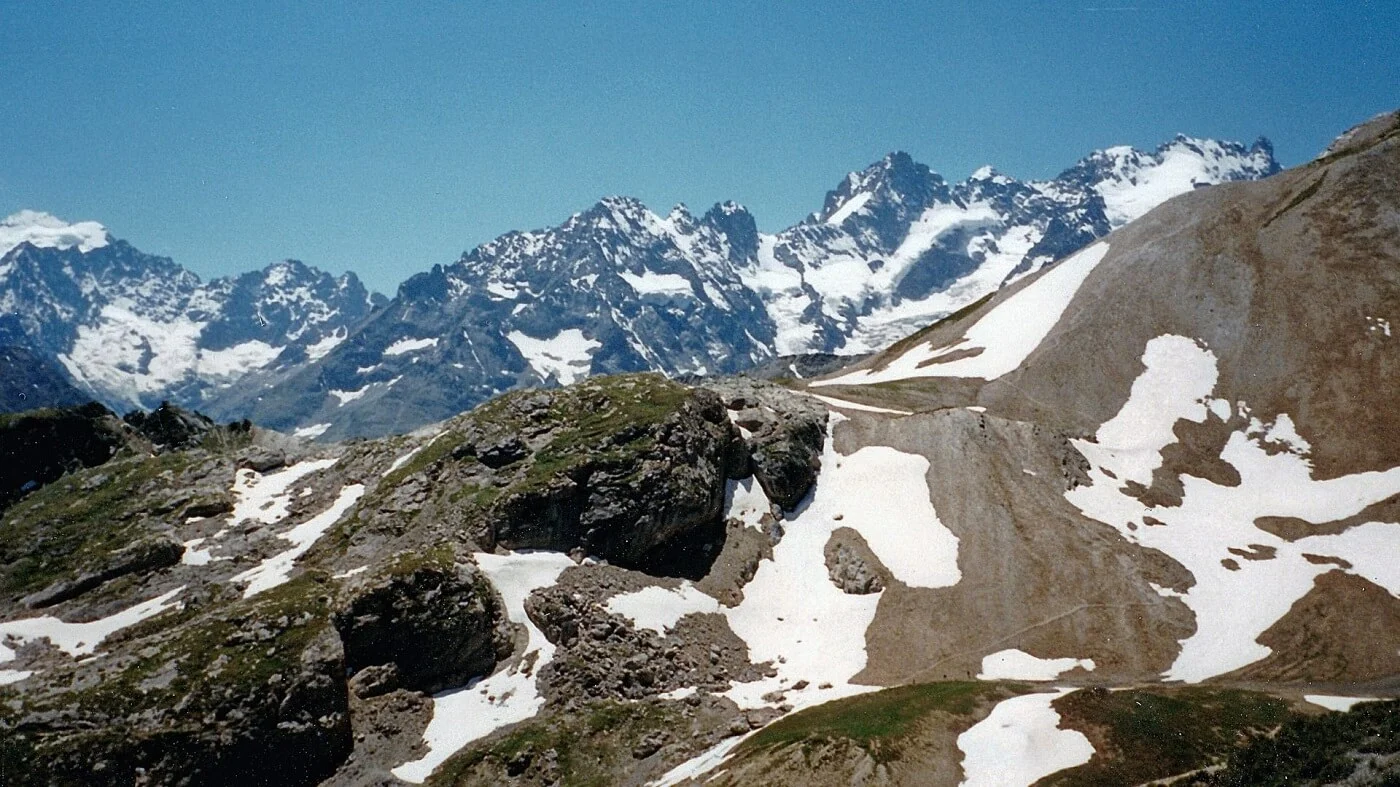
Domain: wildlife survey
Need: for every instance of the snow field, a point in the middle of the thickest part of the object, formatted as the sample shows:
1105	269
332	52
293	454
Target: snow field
1021	742
567	356
1212	519
1013	664
409	345
658	608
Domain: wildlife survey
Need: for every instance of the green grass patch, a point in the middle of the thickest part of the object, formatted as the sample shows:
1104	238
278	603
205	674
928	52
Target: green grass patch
1143	735
1317	750
878	722
64	527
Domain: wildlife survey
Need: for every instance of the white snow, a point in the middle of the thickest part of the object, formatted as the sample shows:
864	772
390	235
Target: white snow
1212	518
81	639
1006	335
842	404
658	608
45	230
196	557
313	431
793	615
464	715
1021	742
652	283
700	764
319	349
130	355
1013	664
1332	702
8	676
344	397
567	356
410	345
265	498
746	501
352	572
677	694
277	569
1141	182
849	207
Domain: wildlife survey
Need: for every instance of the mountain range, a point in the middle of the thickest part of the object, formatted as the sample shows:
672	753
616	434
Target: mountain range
614	288
1128	518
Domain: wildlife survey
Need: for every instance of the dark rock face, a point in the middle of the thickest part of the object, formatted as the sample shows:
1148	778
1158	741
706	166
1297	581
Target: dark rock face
171	427
786	432
631	469
654	503
29	381
433	622
38	447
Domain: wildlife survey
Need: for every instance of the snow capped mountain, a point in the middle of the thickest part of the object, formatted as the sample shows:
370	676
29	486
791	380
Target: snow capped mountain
619	288
614	288
895	247
132	329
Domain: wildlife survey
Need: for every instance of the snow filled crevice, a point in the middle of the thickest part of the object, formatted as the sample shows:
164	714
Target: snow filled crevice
461	716
1003	338
1213	519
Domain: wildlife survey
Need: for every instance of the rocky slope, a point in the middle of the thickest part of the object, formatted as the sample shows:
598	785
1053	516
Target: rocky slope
131	329
1094	529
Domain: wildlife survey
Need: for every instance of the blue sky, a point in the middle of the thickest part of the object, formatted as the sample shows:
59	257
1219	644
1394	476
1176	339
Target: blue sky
386	137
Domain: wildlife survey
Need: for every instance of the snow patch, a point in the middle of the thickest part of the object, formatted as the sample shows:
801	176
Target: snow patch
567	356
1013	664
842	404
1212	519
1332	702
1021	742
410	345
652	283
658	608
313	431
81	639
277	569
464	715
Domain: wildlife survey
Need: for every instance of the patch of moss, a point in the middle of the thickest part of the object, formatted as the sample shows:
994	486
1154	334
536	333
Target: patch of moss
878	722
65	527
1315	750
206	659
593	745
1154	733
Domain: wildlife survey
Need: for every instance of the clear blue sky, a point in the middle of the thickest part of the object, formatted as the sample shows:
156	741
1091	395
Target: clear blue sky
385	137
